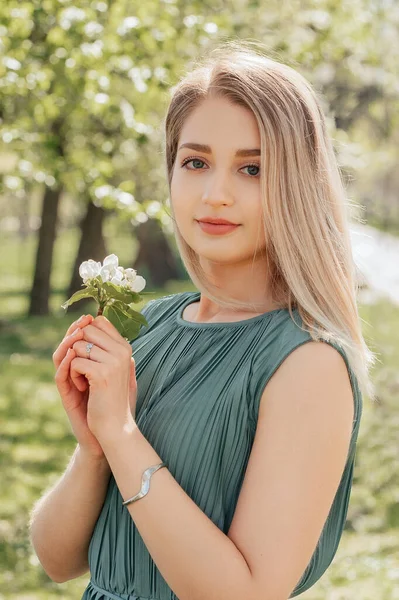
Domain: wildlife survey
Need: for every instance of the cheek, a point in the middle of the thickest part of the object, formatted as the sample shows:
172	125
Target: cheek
181	198
177	189
255	220
253	209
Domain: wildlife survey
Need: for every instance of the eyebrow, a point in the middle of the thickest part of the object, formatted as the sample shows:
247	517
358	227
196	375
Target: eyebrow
207	149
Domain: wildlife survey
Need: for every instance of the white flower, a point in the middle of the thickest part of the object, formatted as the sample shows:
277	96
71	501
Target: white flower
133	281
110	271
138	284
89	269
105	274
130	274
112	302
117	276
111	261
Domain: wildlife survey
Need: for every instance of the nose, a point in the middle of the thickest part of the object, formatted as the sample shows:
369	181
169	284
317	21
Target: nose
217	190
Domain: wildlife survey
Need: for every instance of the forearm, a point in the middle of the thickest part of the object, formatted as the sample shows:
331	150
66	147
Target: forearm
63	520
194	556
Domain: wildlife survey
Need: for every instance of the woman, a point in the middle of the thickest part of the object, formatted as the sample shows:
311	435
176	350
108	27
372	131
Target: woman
245	396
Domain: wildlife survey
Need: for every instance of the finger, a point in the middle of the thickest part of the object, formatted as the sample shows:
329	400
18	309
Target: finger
66	343
62	373
79	381
104	340
105	325
77	378
81	322
96	353
87	368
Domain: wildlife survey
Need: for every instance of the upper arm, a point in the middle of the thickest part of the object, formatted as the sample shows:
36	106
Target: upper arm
295	467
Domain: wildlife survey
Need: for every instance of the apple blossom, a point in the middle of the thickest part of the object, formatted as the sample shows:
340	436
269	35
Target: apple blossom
115	290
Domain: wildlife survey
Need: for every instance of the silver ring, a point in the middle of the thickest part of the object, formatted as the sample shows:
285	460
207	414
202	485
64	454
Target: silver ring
89	346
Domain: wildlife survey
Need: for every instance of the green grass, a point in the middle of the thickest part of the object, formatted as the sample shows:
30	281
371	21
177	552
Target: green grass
36	441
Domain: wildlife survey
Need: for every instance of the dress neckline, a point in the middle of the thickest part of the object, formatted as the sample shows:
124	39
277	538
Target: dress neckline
195	296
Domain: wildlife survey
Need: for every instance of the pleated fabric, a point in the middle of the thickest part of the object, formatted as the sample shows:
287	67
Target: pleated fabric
199	390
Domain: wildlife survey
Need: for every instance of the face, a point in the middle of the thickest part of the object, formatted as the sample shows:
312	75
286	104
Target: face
218	183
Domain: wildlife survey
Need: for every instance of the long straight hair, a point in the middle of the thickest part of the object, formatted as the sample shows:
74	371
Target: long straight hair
304	205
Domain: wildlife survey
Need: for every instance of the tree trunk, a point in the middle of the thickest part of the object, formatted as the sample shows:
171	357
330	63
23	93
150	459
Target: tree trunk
155	260
24	213
39	295
92	245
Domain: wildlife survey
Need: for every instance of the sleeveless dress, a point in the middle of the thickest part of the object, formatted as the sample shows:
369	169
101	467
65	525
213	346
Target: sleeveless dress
199	389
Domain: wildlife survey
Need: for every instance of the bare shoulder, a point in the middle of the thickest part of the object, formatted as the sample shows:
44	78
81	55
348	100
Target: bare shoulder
311	372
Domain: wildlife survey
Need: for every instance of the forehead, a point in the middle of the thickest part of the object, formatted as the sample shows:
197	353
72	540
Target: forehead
218	123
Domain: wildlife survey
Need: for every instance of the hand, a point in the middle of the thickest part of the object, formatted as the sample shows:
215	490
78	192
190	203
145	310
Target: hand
110	373
74	394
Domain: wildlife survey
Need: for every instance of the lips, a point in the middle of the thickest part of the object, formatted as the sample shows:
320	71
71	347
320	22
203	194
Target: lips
216	222
216	228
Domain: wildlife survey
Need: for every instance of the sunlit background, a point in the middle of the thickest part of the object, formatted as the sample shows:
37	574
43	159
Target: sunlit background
83	91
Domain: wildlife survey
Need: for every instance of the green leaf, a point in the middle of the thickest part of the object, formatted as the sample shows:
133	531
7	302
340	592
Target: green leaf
137	316
127	327
114	315
130	312
131	330
93	290
86	293
121	307
124	317
114	291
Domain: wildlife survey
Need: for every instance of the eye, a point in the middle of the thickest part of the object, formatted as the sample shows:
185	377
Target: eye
199	160
253	166
192	159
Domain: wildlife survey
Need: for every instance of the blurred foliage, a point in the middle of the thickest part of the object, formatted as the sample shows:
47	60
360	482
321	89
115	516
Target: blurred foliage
84	88
348	49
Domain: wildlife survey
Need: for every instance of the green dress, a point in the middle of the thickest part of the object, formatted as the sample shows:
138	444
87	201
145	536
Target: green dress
199	388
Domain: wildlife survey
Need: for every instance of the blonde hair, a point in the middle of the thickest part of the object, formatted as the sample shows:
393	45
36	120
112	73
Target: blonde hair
305	219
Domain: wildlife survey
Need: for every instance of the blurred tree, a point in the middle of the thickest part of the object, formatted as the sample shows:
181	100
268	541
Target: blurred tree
40	291
44	256
82	91
92	245
154	259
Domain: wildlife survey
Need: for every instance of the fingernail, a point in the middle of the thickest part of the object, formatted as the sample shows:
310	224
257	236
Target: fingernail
76	331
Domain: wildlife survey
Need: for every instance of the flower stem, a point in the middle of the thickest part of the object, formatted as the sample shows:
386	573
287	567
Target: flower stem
101	300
